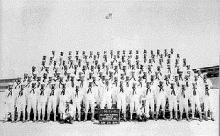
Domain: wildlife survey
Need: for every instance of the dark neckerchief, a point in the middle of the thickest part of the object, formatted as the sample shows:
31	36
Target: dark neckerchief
21	92
132	76
169	70
48	83
167	82
116	84
72	83
140	83
114	60
94	83
121	89
194	91
28	84
157	77
134	90
183	93
173	91
89	90
187	83
18	83
207	91
177	83
52	91
161	88
63	91
42	91
71	64
148	89
77	92
38	85
116	71
33	89
60	84
153	60
81	83
180	78
10	92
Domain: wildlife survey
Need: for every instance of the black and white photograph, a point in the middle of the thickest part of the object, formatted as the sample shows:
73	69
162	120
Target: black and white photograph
109	68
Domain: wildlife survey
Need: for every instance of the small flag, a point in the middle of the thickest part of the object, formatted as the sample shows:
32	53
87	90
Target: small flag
109	16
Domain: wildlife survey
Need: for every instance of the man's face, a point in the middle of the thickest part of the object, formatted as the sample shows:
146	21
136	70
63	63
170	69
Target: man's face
22	86
148	85
194	85
42	86
107	83
33	68
176	78
33	85
158	68
133	85
53	86
206	87
183	87
152	78
38	78
90	84
186	78
205	78
196	78
72	78
172	85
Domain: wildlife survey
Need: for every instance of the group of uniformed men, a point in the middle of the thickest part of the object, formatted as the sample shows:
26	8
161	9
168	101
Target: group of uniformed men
141	81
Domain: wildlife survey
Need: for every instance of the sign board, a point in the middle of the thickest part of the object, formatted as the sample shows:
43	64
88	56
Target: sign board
109	116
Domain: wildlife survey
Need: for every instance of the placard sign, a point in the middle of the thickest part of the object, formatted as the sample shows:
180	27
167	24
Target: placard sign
109	116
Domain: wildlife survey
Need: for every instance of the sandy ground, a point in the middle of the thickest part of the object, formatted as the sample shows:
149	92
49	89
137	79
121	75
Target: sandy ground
160	127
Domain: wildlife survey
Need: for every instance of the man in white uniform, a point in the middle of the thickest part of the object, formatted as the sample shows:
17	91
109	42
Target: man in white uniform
161	99
172	98
107	96
21	103
183	102
32	101
208	99
121	99
135	100
52	101
9	103
90	100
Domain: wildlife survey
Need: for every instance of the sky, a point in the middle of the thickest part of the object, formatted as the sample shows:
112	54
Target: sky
31	29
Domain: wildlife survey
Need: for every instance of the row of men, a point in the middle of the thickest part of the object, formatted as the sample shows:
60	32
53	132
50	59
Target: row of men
36	92
131	62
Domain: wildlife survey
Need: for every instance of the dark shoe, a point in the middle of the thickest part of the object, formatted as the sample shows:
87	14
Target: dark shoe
188	119
61	122
206	119
176	119
200	119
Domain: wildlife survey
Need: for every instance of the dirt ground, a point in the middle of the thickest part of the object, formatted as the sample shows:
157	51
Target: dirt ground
160	127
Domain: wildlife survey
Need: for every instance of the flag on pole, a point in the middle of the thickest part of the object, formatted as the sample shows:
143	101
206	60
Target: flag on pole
109	16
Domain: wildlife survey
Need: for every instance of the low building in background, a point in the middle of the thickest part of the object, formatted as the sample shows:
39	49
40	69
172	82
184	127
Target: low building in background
212	73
